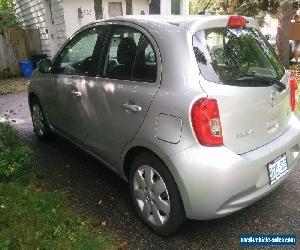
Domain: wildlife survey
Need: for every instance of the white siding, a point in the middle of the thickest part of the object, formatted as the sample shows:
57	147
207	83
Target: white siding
59	21
33	14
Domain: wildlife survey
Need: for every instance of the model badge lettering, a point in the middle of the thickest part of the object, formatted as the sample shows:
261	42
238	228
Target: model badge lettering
274	99
244	133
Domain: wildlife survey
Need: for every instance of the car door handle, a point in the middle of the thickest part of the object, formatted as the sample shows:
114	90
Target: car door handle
132	107
76	93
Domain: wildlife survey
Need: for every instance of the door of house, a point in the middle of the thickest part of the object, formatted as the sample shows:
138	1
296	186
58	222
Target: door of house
115	9
154	7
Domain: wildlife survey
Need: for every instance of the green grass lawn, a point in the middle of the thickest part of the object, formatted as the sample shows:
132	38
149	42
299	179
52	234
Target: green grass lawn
34	218
13	85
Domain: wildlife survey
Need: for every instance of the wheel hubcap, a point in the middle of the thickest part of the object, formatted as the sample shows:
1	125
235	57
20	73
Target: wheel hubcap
37	119
151	195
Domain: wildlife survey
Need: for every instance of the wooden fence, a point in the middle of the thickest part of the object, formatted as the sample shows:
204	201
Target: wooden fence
17	45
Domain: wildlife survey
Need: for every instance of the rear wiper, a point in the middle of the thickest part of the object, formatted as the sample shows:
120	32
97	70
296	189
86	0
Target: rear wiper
266	80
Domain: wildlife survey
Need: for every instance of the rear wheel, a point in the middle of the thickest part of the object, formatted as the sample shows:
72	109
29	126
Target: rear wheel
155	194
40	124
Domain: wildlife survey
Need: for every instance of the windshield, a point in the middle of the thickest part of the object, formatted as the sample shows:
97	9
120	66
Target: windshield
233	56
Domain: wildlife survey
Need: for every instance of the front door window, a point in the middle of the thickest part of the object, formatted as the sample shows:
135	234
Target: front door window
77	57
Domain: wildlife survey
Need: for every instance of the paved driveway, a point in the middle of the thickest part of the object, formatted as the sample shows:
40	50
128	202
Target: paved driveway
102	197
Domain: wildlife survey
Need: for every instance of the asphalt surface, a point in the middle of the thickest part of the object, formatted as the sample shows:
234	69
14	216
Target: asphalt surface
100	196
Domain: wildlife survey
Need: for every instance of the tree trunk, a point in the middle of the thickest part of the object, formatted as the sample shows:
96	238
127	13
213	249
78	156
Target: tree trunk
128	7
98	9
283	32
231	9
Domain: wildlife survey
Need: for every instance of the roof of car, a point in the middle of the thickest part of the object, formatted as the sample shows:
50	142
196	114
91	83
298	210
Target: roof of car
172	19
178	20
187	22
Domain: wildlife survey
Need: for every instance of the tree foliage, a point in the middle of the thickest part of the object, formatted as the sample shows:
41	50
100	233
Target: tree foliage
254	8
235	6
8	17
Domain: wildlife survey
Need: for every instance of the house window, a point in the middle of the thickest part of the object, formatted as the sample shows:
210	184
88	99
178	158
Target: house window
115	9
175	7
154	7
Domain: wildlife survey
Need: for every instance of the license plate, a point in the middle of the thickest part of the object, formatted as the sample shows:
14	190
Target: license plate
277	169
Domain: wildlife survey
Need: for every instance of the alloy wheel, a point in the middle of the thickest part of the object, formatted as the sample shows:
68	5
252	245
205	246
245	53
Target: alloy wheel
38	120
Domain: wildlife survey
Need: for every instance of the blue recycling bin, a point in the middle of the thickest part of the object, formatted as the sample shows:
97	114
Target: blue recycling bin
26	68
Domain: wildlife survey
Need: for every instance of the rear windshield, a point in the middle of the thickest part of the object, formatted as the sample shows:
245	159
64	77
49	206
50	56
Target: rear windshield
229	56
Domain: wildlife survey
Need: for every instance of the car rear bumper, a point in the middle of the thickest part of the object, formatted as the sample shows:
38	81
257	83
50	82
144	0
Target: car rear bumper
215	182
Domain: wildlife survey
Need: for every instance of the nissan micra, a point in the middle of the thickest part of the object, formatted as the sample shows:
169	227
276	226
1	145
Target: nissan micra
195	112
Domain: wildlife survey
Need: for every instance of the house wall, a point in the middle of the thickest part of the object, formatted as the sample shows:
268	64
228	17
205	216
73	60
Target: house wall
57	20
33	14
140	5
143	5
105	6
184	7
165	7
73	20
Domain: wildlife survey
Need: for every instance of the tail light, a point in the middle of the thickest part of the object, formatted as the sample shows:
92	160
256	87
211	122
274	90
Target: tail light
236	22
293	88
206	122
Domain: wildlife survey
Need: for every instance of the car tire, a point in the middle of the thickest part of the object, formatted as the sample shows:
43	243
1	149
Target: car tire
40	124
155	194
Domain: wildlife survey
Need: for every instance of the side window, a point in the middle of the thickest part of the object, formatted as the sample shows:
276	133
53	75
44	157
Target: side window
130	56
145	66
76	58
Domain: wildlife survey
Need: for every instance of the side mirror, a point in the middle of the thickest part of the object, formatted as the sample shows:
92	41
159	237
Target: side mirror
44	66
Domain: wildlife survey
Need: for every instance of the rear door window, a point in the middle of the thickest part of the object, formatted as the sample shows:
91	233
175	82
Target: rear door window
130	56
236	56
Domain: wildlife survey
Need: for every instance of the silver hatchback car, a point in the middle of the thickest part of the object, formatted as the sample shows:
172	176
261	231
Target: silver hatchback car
196	113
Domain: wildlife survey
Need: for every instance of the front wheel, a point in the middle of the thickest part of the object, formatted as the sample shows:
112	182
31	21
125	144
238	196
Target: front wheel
40	124
155	194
